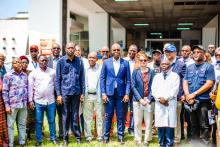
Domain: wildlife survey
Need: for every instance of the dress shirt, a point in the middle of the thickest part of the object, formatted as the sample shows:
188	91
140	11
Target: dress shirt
131	64
32	65
116	64
93	75
15	88
187	61
70	78
55	60
41	86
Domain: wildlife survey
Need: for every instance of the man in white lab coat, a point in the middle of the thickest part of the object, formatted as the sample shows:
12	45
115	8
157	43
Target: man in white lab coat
165	88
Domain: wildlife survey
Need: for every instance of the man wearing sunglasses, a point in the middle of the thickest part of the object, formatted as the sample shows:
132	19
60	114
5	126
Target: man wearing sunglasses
33	60
115	84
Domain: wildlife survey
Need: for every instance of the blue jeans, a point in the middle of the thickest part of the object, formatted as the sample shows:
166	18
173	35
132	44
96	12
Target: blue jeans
19	114
166	136
39	115
114	101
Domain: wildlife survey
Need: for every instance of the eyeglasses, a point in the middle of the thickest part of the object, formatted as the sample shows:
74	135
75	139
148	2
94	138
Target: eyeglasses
25	63
56	48
16	62
104	51
43	60
116	50
2	59
143	60
33	51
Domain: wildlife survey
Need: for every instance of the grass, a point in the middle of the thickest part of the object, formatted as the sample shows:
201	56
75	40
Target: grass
129	140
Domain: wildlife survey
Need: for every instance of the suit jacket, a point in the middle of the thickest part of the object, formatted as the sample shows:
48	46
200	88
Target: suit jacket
137	84
108	78
50	62
179	67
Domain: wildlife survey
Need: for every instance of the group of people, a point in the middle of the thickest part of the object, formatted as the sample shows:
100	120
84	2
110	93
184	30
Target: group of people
165	91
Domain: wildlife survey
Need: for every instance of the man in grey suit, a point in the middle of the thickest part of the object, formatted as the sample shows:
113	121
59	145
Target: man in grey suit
52	63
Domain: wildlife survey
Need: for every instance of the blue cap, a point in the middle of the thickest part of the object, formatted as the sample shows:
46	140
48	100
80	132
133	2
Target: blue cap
170	48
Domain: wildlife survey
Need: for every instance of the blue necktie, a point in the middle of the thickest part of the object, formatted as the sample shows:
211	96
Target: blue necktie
164	76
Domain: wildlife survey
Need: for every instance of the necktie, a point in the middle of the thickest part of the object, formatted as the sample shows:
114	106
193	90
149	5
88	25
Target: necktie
164	76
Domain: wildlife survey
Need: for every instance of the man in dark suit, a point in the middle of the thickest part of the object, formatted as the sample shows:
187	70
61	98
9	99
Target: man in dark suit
52	63
115	84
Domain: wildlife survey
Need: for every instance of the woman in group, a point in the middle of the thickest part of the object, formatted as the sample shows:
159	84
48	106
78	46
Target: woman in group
142	78
30	118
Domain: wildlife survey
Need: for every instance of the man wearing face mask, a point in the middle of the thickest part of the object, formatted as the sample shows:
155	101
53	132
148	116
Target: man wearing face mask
165	88
70	89
115	82
197	85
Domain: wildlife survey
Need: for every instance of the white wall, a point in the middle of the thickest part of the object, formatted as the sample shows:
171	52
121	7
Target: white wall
210	32
119	34
45	20
98	30
17	29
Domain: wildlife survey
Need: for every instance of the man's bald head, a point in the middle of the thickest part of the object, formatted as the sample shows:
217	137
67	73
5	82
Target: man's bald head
92	58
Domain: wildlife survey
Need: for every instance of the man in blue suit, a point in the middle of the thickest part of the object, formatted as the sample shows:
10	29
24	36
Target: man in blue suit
115	82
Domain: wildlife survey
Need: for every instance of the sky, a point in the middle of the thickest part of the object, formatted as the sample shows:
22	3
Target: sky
9	8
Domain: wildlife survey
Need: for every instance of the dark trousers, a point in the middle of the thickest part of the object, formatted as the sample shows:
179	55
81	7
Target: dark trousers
126	106
115	101
70	115
200	122
185	117
166	136
60	123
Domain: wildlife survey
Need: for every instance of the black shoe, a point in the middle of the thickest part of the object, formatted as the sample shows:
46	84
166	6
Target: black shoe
121	141
22	145
78	141
37	144
54	142
105	141
65	142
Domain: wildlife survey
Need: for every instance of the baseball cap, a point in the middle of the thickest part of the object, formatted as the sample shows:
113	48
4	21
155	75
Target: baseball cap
170	48
33	47
156	51
199	47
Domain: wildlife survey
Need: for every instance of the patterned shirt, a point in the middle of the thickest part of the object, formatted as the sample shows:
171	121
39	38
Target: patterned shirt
145	81
15	87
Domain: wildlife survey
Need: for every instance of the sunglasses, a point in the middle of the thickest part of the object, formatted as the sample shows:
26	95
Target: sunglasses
105	51
143	60
217	55
43	60
56	48
25	63
34	51
116	50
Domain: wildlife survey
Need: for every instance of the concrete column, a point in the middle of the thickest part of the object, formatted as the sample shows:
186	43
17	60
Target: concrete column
98	30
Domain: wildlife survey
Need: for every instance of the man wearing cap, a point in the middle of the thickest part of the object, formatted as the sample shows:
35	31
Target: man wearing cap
33	61
155	64
165	88
70	89
197	85
178	67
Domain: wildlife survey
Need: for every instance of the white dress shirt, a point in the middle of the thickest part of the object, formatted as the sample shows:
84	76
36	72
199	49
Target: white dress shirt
41	86
32	65
92	78
131	64
116	64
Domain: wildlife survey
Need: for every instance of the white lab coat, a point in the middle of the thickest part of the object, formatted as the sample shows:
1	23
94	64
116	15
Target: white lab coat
166	116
